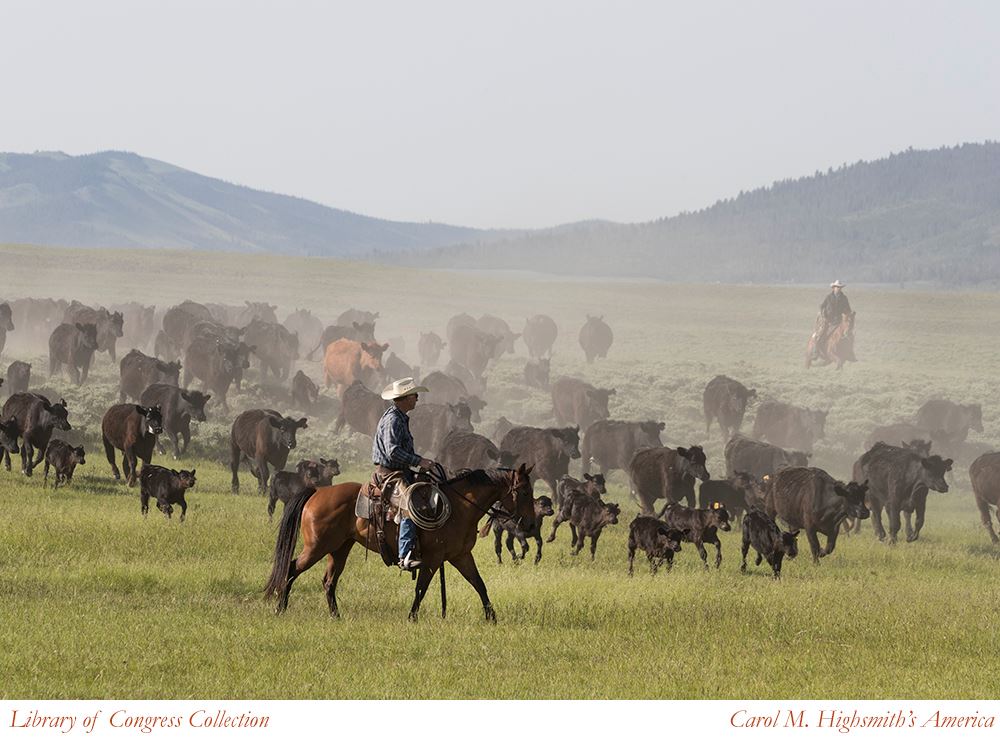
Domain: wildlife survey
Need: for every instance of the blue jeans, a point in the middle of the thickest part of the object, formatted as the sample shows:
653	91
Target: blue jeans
407	537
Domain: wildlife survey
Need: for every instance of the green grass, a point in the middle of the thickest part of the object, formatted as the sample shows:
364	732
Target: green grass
104	603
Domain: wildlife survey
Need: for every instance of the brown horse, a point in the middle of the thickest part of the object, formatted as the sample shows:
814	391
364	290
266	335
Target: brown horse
330	528
838	346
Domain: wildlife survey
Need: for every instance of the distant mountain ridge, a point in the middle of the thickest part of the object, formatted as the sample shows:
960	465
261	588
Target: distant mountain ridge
119	199
931	215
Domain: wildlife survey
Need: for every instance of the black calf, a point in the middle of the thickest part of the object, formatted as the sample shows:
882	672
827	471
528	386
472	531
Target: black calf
656	538
761	532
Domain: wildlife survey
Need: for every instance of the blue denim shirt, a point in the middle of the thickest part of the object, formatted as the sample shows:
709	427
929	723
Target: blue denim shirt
393	443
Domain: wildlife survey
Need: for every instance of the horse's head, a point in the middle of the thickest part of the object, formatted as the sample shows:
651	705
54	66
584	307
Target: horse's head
520	500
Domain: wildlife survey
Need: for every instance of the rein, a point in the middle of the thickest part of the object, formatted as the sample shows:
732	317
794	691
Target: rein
492	512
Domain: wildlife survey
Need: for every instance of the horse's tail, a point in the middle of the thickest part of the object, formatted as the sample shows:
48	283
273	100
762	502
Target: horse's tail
288	532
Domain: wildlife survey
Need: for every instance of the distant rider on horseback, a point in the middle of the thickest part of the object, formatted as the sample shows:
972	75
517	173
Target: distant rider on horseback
393	455
831	312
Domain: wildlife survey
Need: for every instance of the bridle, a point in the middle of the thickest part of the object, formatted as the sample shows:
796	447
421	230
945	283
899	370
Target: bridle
439	478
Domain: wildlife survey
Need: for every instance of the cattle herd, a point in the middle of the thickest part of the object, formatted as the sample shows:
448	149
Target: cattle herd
201	351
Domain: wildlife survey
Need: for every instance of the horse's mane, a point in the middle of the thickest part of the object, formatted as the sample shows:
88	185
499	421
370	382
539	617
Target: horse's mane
488	477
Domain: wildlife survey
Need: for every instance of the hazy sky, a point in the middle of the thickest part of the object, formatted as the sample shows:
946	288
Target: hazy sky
507	114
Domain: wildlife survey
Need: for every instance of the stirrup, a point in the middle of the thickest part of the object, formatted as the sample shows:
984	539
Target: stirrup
409	563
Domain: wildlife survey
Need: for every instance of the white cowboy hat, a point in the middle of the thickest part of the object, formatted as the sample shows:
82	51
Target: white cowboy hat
838	283
402	388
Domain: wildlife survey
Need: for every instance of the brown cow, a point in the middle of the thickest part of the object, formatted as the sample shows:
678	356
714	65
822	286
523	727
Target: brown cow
308	327
262	437
760	459
473	348
347	362
133	430
985	476
73	345
498	327
363	332
949	421
577	402
110	326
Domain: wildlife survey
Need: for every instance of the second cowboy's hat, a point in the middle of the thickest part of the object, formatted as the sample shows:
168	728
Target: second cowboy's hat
838	283
402	388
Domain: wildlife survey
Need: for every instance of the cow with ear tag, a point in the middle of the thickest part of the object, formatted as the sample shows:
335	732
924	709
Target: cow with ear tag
133	430
262	437
36	418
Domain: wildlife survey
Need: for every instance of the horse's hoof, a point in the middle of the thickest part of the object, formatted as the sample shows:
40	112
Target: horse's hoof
491	615
412	617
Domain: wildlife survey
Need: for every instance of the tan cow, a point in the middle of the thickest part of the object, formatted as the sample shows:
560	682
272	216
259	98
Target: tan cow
347	361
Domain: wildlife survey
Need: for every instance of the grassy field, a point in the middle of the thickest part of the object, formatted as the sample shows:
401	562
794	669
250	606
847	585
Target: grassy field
103	603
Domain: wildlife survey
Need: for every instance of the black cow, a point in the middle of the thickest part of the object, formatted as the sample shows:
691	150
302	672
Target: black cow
665	473
9	434
308	474
305	393
595	338
611	444
725	400
500	525
549	450
360	409
430	424
540	333
788	426
949	421
179	407
568	489
473	349
762	533
760	459
811	499
73	345
898	480
588	518
63	458
443	389
656	538
167	487
429	348
536	373
308	327
139	371
577	402
133	430
218	363
699	526
361	332
36	418
18	377
737	494
466	450
110	326
275	346
262	437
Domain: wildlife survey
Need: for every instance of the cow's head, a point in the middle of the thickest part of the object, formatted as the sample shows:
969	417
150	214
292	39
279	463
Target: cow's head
668	539
543	507
597	481
329	469
371	357
152	419
921	446
195	401
693	462
600	398
649	434
797	459
78	456
854	496
789	545
610	513
719	516
475	404
57	414
117	324
569	440
934	468
88	335
9	432
284	428
364	331
186	478
459	417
